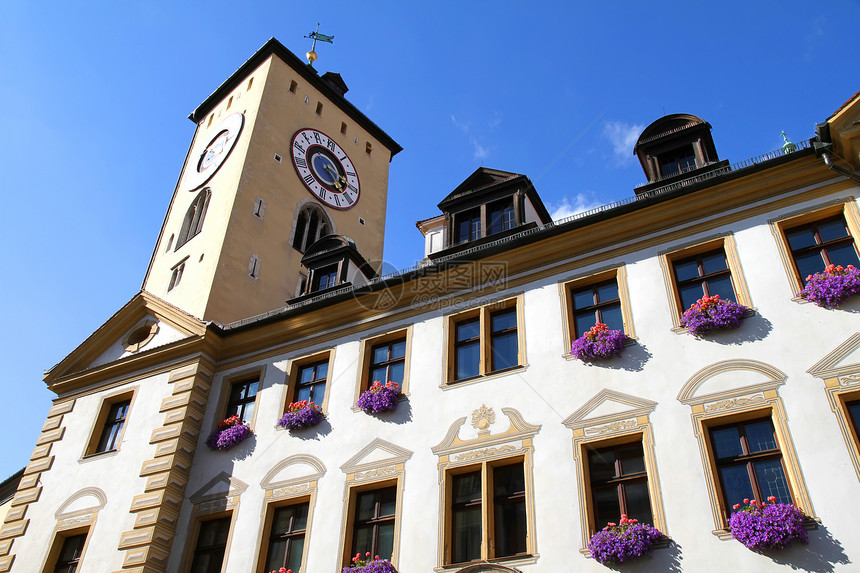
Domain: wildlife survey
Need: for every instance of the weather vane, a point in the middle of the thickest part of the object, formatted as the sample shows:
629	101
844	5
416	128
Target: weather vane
312	55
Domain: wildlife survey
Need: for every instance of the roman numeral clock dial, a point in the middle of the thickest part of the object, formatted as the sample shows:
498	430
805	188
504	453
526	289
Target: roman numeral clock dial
325	169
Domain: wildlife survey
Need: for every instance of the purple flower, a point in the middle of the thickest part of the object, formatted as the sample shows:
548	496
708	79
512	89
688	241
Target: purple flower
626	542
598	343
768	526
379	398
300	415
376	565
229	433
831	286
712	313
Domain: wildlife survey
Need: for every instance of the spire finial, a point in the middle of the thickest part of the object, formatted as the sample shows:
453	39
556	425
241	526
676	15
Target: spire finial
788	147
311	55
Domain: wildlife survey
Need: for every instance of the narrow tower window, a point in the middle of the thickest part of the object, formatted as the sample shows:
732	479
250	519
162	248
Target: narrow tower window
193	222
254	266
311	224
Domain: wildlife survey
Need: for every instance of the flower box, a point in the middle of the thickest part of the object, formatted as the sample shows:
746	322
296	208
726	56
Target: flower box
367	565
599	343
229	433
379	397
712	313
767	526
301	415
832	286
627	540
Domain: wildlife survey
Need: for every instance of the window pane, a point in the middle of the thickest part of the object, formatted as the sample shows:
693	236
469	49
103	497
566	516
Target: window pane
297	548
632	458
366	506
306	374
844	255
809	264
304	393
830	230
800	238
398	349
736	483
467	487
466	535
638	502
468	360
606	506
508	480
723	287
380	354
611	316
760	436
510	528
690	294
771	480
468	329
607	292
277	550
854	413
379	375
583	298
727	442
503	320
583	322
714	263
385	542
601	464
685	270
395	372
505	351
322	370
363	539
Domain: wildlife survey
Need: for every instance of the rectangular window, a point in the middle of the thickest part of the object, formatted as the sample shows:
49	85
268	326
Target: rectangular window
70	553
705	274
108	427
287	537
487	513
388	362
618	484
704	269
373	525
484	341
595	303
500	216
815	245
325	278
677	161
211	545
467	226
241	400
310	382
113	426
748	462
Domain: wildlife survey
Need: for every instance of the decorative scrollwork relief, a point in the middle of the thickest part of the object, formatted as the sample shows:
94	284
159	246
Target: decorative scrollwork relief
291	490
611	427
377	472
484	453
738	402
849	380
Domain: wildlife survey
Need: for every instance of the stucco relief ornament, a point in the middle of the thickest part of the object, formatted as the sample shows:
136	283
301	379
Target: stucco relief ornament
482	418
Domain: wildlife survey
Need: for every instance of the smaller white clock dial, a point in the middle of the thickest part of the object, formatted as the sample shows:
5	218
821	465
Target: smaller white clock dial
208	160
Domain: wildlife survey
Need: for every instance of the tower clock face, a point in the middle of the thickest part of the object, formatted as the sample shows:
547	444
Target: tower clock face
325	169
205	162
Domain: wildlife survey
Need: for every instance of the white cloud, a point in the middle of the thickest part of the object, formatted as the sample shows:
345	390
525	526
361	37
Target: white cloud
479	151
813	38
623	137
568	207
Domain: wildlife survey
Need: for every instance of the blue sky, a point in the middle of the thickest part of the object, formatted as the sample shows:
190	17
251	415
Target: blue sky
96	97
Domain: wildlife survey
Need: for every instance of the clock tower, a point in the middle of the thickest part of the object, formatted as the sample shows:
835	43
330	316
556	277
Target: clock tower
279	159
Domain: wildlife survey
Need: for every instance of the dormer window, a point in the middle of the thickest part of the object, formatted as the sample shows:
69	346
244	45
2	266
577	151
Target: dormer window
325	277
500	216
489	203
677	161
468	226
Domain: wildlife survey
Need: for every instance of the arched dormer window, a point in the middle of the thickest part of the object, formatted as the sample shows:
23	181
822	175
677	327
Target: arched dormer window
193	222
311	224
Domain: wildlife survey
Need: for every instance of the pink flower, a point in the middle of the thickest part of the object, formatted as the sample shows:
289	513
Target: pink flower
736	506
746	500
772	498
